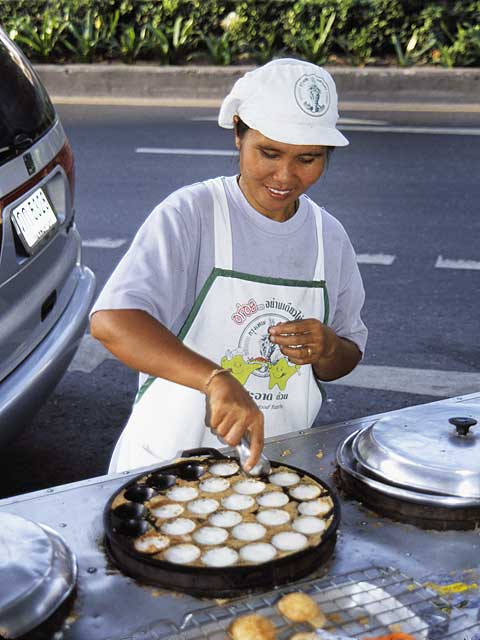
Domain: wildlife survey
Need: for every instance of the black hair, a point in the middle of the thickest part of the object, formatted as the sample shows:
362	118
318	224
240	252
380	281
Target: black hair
240	127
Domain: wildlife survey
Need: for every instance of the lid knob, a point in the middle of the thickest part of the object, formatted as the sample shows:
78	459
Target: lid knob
462	425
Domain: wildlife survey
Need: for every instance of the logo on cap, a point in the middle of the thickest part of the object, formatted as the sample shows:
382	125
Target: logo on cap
312	95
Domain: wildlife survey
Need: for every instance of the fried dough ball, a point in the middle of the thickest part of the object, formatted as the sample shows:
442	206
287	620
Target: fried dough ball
252	627
300	607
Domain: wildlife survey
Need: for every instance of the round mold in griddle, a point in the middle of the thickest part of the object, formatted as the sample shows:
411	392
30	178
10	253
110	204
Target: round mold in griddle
226	581
139	493
129	510
132	527
190	470
129	519
161	481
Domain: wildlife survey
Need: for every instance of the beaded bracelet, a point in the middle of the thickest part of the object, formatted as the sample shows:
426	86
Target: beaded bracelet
212	375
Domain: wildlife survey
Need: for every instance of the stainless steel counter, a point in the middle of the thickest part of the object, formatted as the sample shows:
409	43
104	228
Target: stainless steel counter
110	605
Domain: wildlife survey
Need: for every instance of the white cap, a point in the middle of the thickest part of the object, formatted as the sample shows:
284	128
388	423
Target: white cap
287	100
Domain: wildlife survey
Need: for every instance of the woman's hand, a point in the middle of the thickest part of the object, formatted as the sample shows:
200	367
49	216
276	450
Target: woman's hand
310	341
304	341
233	413
146	345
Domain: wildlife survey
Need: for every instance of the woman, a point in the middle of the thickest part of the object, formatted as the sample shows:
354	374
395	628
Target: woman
239	294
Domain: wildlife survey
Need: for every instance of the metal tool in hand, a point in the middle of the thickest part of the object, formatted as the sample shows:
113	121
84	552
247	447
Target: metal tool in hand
263	466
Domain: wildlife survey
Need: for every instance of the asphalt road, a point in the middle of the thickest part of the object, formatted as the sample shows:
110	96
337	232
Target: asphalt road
409	200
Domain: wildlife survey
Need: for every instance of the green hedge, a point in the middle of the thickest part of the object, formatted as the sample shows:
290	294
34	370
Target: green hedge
358	32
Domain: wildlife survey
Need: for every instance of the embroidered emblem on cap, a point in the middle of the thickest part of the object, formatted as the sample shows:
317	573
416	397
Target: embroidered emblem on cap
312	95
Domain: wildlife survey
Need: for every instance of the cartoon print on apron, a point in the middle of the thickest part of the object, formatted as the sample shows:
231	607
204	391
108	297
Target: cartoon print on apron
229	324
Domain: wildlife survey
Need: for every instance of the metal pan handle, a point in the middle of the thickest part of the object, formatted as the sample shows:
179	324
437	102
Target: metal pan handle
203	451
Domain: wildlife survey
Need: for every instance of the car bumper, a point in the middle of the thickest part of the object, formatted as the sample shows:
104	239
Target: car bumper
26	388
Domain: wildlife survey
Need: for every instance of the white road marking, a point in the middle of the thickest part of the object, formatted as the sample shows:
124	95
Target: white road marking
375	258
104	243
342	121
89	356
438	131
445	263
204	119
426	382
187	152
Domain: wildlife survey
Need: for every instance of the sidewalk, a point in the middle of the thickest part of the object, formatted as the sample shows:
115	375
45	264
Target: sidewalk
207	85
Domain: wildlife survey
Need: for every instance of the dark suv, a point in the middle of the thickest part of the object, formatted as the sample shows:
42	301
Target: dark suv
45	290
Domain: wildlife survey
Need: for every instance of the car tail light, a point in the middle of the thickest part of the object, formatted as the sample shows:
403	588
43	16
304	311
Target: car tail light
66	160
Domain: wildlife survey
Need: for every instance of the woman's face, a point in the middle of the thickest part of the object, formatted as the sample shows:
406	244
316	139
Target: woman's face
274	174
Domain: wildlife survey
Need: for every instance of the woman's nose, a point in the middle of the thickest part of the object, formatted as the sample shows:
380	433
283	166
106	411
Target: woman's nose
283	172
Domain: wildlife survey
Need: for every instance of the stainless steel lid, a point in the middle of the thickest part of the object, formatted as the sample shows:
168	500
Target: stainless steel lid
431	449
38	573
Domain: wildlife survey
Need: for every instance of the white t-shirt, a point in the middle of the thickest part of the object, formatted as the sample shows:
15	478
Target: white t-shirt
172	255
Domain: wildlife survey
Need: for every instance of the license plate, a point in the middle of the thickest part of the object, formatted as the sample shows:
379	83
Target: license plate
34	220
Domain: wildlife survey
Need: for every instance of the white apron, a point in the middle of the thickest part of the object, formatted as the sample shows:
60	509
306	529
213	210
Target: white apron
228	324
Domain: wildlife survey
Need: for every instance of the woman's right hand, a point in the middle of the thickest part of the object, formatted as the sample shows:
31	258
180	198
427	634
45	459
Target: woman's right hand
233	413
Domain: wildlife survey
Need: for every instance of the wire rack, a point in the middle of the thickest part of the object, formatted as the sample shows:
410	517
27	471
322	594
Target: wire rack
361	604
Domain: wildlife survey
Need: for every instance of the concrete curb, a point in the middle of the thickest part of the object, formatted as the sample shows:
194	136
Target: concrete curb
204	83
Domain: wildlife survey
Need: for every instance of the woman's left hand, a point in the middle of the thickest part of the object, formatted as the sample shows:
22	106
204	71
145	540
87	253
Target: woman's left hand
305	341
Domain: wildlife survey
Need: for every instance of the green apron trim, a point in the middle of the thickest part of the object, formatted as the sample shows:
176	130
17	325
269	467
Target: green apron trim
148	382
326	303
240	276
